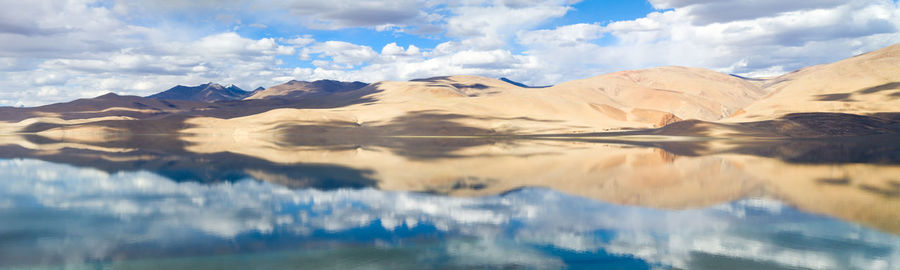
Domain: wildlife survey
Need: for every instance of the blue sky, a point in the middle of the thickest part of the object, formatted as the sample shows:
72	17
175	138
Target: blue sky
57	51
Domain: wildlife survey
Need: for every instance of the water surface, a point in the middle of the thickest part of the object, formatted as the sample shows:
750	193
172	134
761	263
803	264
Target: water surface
429	203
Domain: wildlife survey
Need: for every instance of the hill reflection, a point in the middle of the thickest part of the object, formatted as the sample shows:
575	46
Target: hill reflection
851	178
70	217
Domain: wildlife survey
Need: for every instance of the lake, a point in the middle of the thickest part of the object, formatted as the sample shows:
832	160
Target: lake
445	203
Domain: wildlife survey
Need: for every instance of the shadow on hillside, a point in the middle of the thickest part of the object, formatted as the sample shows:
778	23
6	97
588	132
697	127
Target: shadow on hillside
150	109
884	87
325	100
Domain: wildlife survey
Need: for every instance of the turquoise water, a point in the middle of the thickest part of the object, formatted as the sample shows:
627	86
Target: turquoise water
58	216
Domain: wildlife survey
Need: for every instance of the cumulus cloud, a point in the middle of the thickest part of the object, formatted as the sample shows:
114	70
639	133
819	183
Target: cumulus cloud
711	11
790	39
343	52
490	26
773	38
348	13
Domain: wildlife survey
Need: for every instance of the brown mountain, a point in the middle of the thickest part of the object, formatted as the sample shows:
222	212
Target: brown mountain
210	92
106	105
300	89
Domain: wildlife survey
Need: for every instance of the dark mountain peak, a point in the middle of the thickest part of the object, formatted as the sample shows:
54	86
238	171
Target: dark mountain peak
108	95
294	89
209	92
213	85
259	89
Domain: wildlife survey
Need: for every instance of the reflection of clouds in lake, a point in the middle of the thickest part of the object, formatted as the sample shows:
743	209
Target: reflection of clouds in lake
97	213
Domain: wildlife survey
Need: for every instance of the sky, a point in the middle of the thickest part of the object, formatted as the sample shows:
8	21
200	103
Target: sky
60	50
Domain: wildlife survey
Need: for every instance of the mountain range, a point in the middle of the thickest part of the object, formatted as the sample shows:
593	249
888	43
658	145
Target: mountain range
298	89
209	92
213	92
855	96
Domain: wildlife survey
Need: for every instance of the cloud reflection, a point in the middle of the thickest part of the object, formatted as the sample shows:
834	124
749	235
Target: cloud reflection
65	214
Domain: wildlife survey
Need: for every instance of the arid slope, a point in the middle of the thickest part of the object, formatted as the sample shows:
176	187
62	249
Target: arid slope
634	99
865	84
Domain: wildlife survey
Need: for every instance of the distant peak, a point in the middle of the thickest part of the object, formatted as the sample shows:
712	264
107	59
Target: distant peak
214	86
109	95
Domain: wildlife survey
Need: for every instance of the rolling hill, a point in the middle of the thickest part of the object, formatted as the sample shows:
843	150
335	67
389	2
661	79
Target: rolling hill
864	84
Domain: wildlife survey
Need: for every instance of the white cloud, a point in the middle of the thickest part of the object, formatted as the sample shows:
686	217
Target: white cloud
300	41
229	44
712	11
791	39
780	38
564	36
343	53
392	49
483	26
337	14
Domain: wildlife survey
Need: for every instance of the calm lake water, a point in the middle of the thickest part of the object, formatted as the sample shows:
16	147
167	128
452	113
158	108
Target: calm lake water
446	204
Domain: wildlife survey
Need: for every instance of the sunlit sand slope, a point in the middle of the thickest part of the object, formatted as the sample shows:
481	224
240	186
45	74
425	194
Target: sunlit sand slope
865	84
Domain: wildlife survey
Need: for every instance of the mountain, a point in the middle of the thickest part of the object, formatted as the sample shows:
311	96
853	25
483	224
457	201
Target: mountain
210	92
93	119
686	93
864	84
474	105
106	105
856	96
300	89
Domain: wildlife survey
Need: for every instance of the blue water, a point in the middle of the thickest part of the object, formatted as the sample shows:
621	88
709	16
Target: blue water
55	216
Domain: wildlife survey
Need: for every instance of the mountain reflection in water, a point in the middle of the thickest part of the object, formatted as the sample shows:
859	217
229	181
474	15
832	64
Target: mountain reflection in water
161	202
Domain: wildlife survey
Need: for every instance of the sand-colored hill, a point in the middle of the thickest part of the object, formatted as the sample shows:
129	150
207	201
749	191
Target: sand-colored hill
864	84
688	93
456	105
301	89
